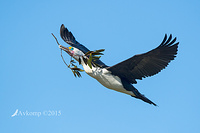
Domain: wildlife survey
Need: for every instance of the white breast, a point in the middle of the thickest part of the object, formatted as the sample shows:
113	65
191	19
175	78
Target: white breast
106	78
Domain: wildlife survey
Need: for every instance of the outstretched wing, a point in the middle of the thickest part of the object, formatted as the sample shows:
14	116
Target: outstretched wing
147	64
68	37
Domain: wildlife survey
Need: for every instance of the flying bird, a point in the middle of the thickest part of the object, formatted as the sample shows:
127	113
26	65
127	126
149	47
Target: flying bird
121	76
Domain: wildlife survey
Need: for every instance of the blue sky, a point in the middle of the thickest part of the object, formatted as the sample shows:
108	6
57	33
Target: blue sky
34	79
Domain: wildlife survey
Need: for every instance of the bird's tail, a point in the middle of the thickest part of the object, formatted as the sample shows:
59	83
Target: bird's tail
136	93
142	97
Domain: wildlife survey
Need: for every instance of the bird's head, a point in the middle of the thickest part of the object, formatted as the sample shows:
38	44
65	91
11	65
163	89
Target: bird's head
73	52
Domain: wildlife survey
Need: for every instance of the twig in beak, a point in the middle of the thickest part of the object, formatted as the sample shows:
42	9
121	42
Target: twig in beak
62	47
64	59
76	71
55	39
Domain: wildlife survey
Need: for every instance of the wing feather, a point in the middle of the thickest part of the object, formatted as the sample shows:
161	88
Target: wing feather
147	64
68	37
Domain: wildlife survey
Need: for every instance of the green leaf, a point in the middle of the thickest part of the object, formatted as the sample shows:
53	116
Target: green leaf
97	53
81	70
73	65
78	74
72	61
79	60
77	69
89	52
96	57
90	65
89	61
74	73
100	50
85	60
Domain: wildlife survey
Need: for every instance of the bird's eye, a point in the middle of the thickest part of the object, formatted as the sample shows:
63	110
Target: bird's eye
71	48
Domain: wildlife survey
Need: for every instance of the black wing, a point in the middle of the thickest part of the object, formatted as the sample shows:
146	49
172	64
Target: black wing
147	64
68	37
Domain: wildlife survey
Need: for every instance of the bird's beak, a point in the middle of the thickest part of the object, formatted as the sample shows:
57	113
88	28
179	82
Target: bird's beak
66	50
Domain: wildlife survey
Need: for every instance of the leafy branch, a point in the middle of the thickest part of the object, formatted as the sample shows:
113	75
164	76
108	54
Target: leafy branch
93	57
89	59
75	70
